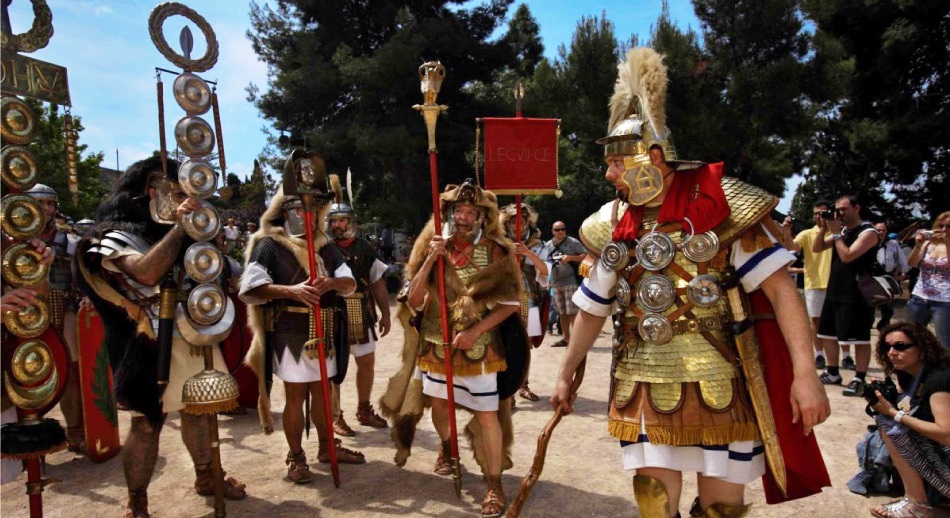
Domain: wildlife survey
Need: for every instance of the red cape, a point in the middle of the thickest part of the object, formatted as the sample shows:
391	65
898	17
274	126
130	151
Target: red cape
804	467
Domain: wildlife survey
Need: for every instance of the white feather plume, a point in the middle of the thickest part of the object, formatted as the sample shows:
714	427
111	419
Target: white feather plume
641	88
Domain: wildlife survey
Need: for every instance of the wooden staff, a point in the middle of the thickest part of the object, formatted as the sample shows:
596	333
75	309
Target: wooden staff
431	75
529	480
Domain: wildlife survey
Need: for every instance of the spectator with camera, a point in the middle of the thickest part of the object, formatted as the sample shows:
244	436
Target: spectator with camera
930	299
915	423
890	261
565	254
817	271
846	315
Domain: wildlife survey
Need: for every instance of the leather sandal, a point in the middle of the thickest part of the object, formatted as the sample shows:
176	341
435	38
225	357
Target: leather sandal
525	392
367	416
903	508
494	503
341	428
297	470
343	455
138	504
443	463
204	485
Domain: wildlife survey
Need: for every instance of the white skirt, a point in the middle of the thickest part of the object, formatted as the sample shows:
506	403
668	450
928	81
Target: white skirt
184	365
479	392
739	462
305	371
363	349
534	322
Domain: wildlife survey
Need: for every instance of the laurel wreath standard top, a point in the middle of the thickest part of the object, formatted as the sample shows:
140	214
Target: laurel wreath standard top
39	34
157	18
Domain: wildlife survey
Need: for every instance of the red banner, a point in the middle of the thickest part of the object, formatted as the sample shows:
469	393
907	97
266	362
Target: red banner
521	155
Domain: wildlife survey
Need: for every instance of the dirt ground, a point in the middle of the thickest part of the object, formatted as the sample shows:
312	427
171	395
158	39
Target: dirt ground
582	475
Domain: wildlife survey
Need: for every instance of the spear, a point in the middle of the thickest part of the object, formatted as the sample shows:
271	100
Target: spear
431	75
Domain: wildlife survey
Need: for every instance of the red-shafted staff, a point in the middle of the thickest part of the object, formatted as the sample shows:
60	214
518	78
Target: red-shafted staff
431	75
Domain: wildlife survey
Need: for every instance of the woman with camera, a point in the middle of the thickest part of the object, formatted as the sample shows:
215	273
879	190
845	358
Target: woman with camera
930	301
915	425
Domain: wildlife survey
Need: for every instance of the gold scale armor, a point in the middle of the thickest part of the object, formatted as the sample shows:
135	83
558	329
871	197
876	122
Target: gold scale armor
486	356
687	389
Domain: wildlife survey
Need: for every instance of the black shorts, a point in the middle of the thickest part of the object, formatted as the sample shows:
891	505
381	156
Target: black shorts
847	322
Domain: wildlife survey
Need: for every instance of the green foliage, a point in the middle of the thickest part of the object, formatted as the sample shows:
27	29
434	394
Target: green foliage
49	148
886	122
344	80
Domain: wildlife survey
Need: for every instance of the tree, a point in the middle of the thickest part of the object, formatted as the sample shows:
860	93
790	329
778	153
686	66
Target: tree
49	148
888	126
757	61
342	79
576	89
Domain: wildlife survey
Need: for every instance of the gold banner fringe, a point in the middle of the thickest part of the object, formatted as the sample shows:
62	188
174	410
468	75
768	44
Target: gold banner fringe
515	192
210	408
467	369
33	454
676	436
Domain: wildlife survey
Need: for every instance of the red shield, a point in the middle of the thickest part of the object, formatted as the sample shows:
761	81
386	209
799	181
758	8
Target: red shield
98	398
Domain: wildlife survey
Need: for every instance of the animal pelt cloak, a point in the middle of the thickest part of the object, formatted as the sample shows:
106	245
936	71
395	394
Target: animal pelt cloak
404	403
271	225
129	337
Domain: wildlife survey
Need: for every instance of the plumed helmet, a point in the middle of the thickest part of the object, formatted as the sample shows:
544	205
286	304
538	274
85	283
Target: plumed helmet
637	107
43	192
340	210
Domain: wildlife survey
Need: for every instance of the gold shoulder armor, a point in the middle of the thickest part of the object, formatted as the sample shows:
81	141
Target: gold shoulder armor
597	229
748	205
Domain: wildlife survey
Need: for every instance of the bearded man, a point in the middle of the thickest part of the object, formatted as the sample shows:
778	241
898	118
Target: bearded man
682	253
280	296
123	262
482	291
368	270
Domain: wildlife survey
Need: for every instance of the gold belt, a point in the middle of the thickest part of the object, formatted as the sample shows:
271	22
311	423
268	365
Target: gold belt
689	325
356	295
700	324
295	309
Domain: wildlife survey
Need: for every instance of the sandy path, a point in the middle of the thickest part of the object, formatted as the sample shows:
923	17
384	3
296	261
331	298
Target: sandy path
582	476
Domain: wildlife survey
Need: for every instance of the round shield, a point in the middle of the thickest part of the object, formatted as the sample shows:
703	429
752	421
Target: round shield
203	262
197	178
23	266
195	136
17	121
656	293
615	256
655	329
19	168
700	248
207	304
192	93
655	251
30	322
623	293
703	291
21	216
202	224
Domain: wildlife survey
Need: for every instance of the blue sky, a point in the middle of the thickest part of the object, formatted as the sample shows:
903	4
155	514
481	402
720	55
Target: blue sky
111	61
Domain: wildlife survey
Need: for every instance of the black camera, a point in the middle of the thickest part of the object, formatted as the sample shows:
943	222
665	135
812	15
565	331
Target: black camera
887	389
828	214
556	258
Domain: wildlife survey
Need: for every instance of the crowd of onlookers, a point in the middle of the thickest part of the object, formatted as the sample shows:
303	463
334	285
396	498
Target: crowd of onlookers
844	257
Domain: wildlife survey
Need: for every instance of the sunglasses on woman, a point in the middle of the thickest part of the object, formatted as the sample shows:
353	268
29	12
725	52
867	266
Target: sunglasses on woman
898	346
